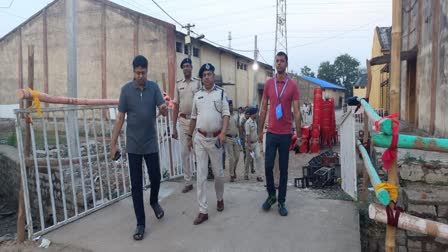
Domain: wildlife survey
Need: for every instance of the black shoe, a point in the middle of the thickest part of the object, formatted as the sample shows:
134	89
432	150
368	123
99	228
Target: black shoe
269	202
158	211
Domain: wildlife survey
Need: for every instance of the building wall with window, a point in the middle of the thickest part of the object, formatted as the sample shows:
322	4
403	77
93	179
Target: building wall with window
424	80
108	38
233	72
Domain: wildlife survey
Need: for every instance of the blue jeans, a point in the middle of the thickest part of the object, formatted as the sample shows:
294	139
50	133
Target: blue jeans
281	143
135	168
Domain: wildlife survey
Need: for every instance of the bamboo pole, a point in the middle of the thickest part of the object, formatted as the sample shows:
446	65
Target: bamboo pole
395	74
412	142
382	195
365	139
384	124
43	97
406	221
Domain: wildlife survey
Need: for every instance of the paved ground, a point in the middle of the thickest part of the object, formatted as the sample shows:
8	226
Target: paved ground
313	224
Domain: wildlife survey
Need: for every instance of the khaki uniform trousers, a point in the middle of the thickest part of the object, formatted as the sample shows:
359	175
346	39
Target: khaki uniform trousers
186	154
258	160
205	148
233	154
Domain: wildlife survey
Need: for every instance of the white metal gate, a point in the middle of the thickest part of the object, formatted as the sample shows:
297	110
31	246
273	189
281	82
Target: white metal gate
65	167
348	155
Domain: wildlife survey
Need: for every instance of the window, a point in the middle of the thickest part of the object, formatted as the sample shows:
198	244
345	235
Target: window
241	66
186	47
179	47
196	52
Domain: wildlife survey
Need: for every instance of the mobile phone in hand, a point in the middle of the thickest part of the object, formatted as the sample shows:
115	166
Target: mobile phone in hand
117	155
218	143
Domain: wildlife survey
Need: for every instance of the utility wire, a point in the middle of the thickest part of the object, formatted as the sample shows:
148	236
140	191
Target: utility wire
167	13
9	6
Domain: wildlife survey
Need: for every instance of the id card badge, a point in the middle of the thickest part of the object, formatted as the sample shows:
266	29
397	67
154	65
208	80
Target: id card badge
278	111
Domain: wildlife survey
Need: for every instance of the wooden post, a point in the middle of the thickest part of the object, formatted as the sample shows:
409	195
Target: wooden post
365	139
171	130
395	73
21	212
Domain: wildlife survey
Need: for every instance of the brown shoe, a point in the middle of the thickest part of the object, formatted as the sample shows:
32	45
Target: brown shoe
220	205
201	218
187	188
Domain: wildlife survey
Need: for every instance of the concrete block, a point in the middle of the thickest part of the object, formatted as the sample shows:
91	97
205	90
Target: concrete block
437	176
414	245
442	211
402	249
412	172
401	237
422	210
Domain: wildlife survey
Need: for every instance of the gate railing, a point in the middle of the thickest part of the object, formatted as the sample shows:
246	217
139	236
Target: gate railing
66	170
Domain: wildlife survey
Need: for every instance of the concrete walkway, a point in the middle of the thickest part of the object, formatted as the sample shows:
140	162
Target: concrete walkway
313	224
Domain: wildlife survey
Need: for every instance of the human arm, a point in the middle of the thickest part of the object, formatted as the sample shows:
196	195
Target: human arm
116	131
262	119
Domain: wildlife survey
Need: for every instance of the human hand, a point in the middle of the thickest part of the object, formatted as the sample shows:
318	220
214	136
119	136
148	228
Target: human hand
222	138
174	135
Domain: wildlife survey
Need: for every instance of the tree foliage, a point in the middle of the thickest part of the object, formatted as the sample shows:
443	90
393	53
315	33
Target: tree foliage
306	71
344	71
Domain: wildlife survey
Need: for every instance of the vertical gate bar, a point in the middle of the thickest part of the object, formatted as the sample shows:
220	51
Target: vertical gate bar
123	174
70	158
81	167
50	177
36	169
114	163
61	174
29	219
105	156
86	131
97	154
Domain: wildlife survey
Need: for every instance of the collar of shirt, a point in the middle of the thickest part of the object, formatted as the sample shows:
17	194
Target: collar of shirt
211	89
281	80
144	87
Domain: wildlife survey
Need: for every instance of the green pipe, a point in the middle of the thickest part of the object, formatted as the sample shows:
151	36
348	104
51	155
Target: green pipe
412	142
382	194
384	125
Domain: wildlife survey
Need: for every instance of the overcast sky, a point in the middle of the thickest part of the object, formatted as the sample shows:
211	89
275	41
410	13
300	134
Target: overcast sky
318	30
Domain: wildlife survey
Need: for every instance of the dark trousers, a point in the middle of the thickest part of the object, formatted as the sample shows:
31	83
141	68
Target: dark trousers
274	142
135	167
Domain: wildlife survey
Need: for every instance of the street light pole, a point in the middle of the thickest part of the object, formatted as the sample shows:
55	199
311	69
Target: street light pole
188	38
255	68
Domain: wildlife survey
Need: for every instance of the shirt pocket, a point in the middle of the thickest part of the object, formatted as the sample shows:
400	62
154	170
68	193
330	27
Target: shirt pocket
218	104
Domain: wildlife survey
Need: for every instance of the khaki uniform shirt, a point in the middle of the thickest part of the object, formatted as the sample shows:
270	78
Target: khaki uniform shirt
209	107
233	125
251	130
184	92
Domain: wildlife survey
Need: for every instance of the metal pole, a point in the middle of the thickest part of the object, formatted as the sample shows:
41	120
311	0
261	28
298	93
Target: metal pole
72	82
255	100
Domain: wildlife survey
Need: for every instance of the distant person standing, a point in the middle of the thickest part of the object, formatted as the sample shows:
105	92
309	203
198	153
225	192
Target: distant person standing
183	101
253	146
247	162
232	148
139	100
210	118
281	92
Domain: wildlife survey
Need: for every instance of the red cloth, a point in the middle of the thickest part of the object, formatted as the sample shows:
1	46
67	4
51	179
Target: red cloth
293	142
391	153
291	93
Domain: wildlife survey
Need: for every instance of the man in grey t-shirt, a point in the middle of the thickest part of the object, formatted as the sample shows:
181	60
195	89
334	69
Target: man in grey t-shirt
139	100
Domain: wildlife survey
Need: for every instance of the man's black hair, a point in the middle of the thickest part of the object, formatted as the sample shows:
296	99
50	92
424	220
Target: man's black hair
140	61
283	54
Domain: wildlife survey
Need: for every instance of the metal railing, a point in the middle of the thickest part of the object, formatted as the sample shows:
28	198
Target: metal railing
65	169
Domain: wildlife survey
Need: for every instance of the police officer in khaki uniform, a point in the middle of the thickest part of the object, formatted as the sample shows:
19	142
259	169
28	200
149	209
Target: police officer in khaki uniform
210	118
243	139
183	101
231	146
253	146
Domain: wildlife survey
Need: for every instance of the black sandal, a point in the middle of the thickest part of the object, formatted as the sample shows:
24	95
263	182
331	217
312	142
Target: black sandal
139	232
158	211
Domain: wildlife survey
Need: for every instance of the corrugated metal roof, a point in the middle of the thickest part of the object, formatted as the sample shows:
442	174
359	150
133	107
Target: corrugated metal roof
361	81
322	83
384	36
